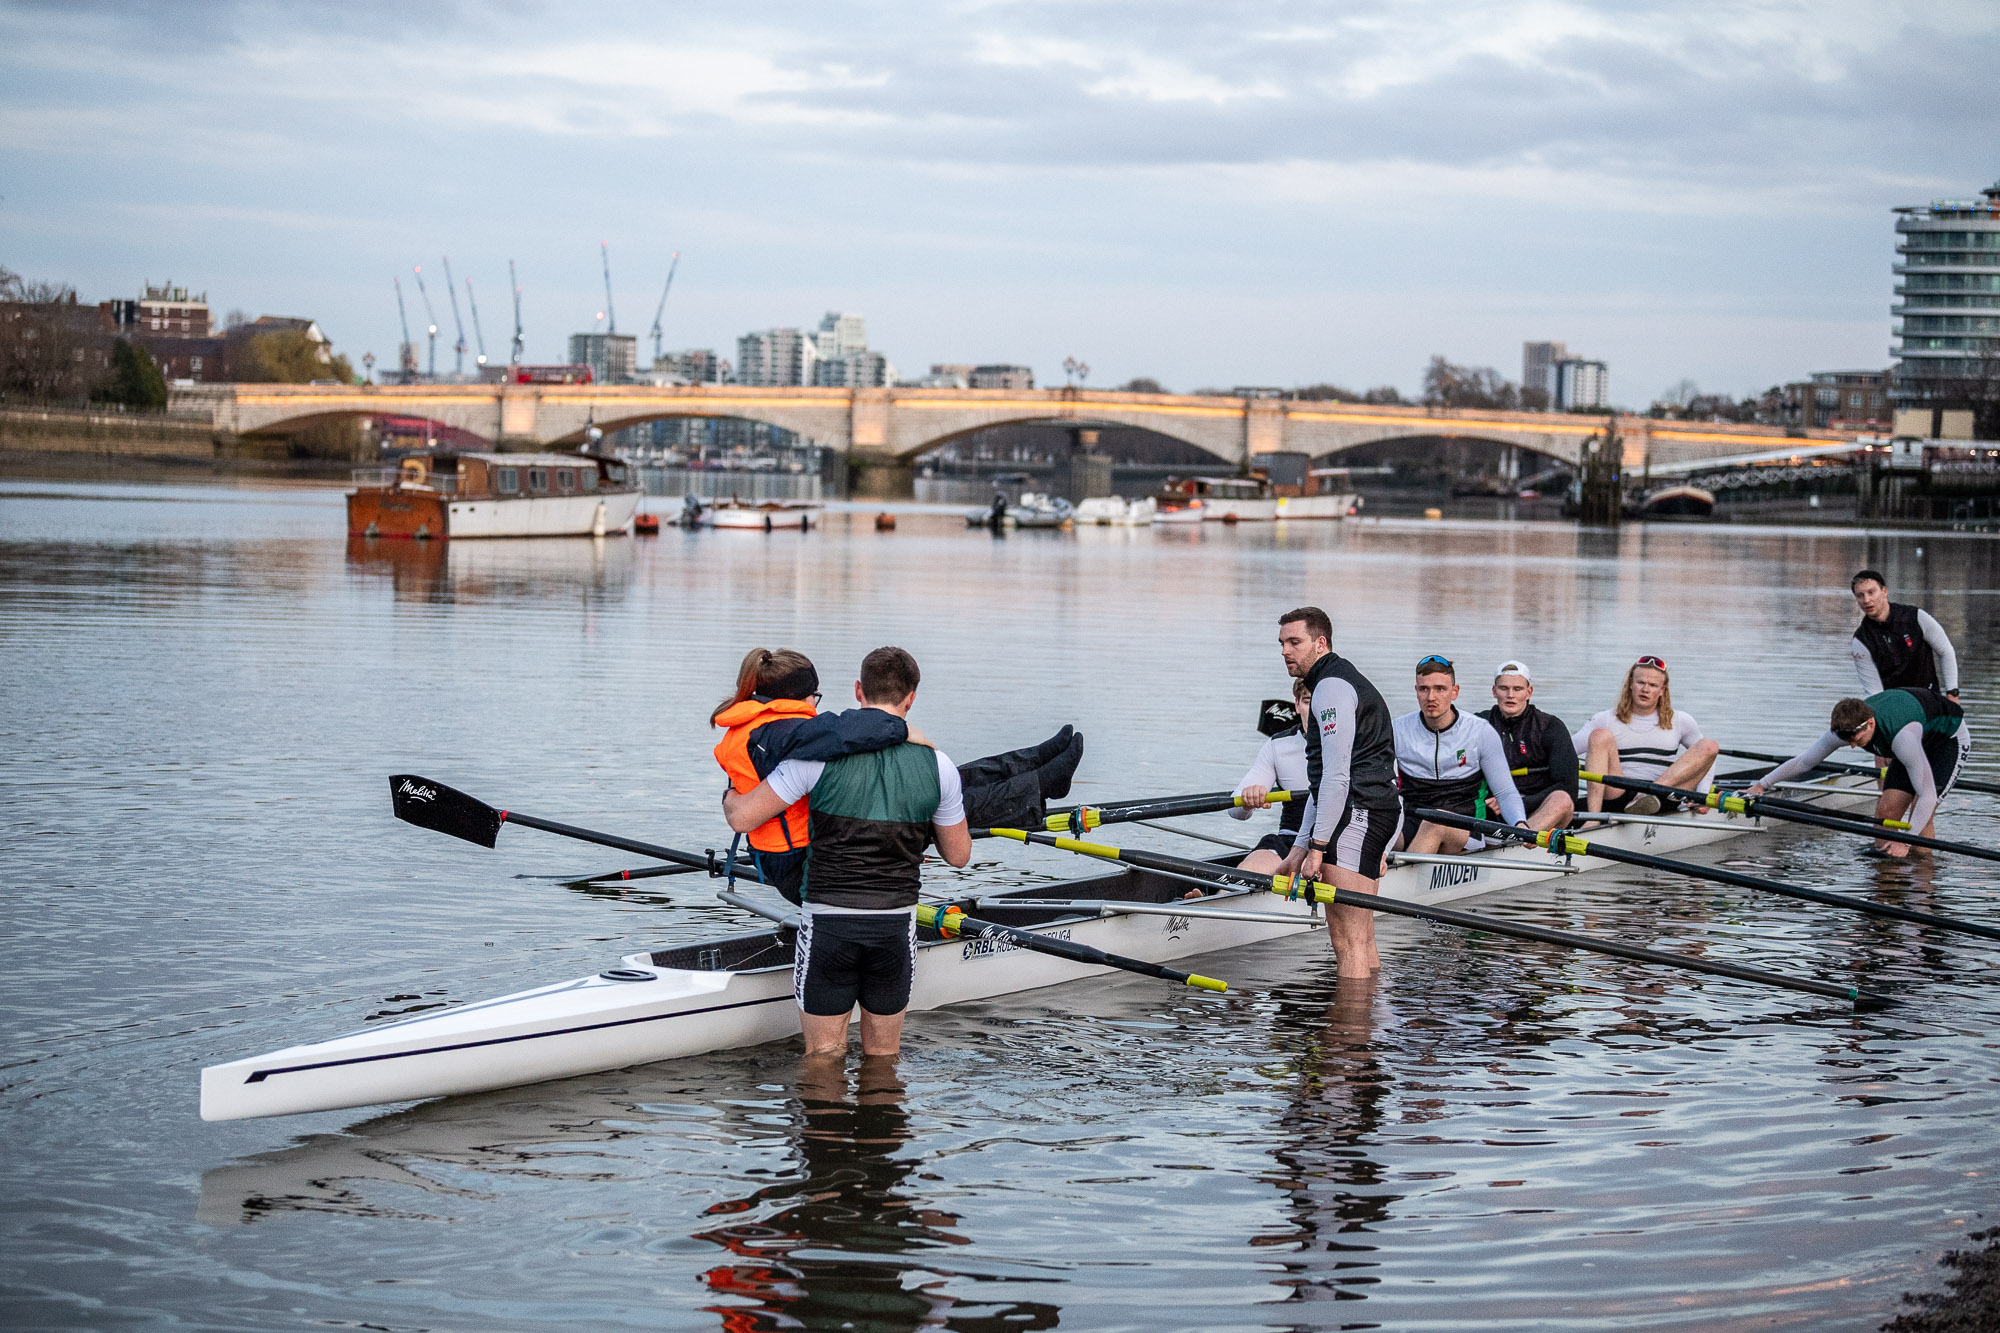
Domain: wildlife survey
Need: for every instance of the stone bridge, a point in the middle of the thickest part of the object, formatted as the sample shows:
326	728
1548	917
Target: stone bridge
881	431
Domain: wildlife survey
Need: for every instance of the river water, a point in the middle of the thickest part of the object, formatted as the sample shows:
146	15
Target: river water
205	688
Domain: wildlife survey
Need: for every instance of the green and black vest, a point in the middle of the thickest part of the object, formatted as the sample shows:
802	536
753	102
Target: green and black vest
1896	709
871	820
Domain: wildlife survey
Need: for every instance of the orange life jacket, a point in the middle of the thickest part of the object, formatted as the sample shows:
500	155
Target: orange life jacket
787	832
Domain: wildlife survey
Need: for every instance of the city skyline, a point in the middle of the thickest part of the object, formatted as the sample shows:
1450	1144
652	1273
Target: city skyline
1198	196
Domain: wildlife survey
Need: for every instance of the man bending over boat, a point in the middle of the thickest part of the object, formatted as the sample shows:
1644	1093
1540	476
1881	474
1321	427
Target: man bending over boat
1351	767
1279	766
773	715
1644	738
1923	735
1539	754
871	817
1444	760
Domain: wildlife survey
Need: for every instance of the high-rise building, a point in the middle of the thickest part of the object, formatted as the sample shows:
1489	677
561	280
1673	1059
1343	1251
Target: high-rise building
854	370
613	358
1538	368
693	365
1581	384
840	334
1947	300
775	357
1001	377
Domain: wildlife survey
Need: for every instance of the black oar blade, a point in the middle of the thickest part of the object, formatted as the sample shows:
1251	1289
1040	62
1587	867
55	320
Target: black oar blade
443	809
1277	715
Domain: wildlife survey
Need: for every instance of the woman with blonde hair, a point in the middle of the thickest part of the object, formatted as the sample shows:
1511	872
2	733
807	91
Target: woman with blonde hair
1646	738
773	715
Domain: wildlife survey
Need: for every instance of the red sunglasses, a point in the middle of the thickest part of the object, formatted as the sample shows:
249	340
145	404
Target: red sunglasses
1657	663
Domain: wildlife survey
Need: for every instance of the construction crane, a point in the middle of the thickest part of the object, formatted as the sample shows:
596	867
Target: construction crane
477	336
514	357
609	312
663	305
451	290
406	355
432	368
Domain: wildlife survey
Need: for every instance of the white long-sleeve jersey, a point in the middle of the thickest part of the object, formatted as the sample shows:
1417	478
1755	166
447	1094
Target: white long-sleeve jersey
1444	768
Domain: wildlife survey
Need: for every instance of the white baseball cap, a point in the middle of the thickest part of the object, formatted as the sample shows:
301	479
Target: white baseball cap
1514	667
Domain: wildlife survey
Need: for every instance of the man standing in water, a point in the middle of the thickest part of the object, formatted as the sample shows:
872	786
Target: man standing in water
872	815
1351	763
1896	645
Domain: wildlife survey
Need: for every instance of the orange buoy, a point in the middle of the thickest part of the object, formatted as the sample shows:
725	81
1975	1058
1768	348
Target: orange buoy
647	525
885	522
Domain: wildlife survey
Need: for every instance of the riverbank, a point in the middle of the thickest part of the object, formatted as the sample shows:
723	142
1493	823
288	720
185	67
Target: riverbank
1970	1302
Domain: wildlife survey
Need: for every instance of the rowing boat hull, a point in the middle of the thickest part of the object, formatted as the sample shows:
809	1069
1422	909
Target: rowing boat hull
735	993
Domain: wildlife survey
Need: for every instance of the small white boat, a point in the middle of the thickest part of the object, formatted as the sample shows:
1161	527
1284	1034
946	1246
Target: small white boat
737	991
1115	511
1339	504
1041	511
763	516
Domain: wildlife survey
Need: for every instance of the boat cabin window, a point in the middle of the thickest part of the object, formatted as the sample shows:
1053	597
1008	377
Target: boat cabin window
565	480
507	480
615	471
538	480
588	477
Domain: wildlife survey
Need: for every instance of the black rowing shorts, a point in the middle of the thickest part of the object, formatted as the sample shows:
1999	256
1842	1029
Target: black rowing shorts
1947	755
843	959
1361	837
1281	843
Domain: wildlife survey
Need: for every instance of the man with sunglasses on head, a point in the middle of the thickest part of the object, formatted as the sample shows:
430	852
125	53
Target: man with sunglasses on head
1539	754
1445	759
1923	735
1644	737
1351	765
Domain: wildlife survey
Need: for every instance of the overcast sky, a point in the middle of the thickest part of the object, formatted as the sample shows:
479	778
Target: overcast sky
1207	193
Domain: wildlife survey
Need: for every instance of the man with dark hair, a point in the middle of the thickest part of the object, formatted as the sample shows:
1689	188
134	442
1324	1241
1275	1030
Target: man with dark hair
1537	744
1354	809
1898	645
1923	735
1444	760
872	815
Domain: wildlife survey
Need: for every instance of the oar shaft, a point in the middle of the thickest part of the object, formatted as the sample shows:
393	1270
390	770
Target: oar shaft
1569	844
1165	807
949	921
1835	766
1327	893
621	876
652	849
1758	805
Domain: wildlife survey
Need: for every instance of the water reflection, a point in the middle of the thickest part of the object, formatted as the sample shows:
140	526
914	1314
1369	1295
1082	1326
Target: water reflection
843	1242
500	570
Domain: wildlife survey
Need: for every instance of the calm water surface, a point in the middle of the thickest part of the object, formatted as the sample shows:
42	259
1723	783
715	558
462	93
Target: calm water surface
204	689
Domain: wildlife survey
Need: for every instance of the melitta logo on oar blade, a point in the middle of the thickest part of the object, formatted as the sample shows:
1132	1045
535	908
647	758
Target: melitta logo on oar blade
433	805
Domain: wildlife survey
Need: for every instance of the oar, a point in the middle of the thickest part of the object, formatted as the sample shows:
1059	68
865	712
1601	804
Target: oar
1568	844
432	805
1084	817
949	922
1287	886
1865	770
1757	805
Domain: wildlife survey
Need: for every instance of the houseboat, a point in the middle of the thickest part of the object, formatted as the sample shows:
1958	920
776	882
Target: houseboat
443	495
1251	499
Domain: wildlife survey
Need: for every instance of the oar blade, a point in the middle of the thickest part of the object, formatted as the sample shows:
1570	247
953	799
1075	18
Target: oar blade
442	809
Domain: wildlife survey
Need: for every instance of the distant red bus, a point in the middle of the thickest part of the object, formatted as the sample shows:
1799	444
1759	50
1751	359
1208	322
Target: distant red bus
553	375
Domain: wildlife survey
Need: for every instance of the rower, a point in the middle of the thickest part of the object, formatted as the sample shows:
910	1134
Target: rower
1644	737
772	716
1354	809
1539	753
1444	758
1279	766
872	816
1897	645
1923	735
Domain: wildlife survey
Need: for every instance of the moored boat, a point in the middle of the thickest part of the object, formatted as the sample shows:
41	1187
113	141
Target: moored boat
1682	501
494	495
736	991
1115	511
763	516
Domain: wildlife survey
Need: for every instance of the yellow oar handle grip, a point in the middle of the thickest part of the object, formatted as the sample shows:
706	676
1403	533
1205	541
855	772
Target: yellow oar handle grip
1207	983
1288	886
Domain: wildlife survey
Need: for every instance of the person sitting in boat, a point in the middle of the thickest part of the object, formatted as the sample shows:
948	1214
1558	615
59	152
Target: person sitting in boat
1537	746
872	815
1279	766
773	715
1445	760
1923	735
1644	737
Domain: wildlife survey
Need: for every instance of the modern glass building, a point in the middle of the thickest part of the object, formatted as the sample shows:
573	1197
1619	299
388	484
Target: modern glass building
1947	300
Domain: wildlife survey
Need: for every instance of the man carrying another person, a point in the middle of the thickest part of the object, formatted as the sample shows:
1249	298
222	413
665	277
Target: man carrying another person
1644	738
1537	746
872	815
1443	760
1351	766
1897	645
1921	732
